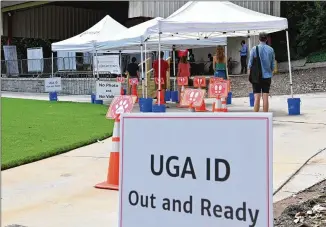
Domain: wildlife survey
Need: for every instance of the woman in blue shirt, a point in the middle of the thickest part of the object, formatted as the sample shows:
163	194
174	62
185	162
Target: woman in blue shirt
219	63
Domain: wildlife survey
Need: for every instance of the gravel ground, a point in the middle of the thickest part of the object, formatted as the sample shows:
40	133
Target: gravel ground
306	209
304	81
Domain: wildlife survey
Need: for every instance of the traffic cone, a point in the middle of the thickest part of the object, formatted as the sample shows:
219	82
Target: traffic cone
162	98
217	105
182	90
134	92
122	92
224	107
202	107
112	181
191	108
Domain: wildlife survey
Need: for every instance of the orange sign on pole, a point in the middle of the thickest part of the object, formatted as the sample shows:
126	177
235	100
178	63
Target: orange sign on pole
156	80
193	97
120	79
199	81
215	79
119	105
133	81
218	89
182	81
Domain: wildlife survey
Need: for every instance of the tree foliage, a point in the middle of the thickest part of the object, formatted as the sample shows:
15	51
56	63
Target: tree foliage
312	33
307	26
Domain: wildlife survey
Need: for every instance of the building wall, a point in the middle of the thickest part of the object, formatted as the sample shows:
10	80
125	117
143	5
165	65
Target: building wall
153	8
51	22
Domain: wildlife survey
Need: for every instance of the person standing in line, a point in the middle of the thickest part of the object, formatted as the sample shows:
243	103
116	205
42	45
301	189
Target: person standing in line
243	56
183	70
267	63
133	70
219	63
164	69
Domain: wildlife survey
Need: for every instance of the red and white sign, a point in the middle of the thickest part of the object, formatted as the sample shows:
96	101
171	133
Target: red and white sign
218	88
133	81
119	105
215	80
192	97
199	81
120	79
182	81
156	80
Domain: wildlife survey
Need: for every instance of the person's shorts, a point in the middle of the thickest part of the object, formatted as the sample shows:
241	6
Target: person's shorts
263	86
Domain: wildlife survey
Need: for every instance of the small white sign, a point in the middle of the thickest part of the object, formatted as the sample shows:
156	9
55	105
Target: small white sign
35	59
215	170
107	89
107	64
52	84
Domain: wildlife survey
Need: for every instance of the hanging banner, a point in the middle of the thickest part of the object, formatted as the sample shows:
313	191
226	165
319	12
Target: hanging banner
107	64
66	60
10	53
35	59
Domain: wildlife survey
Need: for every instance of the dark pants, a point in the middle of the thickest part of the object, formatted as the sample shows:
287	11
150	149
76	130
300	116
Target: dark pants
243	64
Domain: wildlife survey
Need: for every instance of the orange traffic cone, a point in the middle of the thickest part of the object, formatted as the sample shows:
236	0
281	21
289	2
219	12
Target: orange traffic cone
134	91
191	108
182	91
112	181
217	105
224	107
162	98
202	107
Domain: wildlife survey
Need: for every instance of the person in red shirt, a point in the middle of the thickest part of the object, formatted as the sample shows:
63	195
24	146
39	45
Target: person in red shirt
164	69
183	70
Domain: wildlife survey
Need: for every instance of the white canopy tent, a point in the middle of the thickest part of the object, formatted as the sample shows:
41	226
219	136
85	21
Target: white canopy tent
86	41
136	37
130	39
219	18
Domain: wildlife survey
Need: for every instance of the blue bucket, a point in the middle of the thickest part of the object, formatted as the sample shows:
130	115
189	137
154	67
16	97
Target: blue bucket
159	108
53	96
145	105
229	99
97	101
93	97
167	95
294	106
174	96
251	99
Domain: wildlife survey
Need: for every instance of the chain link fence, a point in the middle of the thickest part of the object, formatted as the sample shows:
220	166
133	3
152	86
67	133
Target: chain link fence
43	67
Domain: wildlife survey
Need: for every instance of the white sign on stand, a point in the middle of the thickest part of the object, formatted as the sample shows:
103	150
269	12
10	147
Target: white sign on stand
107	64
218	171
107	89
52	84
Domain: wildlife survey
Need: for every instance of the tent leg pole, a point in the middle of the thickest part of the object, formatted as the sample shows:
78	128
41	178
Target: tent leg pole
226	63
289	59
52	64
97	74
120	62
174	84
145	52
159	69
142	70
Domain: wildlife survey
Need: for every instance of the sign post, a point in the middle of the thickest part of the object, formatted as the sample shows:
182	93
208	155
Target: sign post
107	89
203	179
52	85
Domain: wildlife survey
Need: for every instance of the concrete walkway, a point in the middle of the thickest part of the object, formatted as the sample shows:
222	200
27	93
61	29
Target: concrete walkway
59	191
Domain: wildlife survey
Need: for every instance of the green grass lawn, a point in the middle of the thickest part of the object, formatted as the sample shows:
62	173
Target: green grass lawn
33	130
